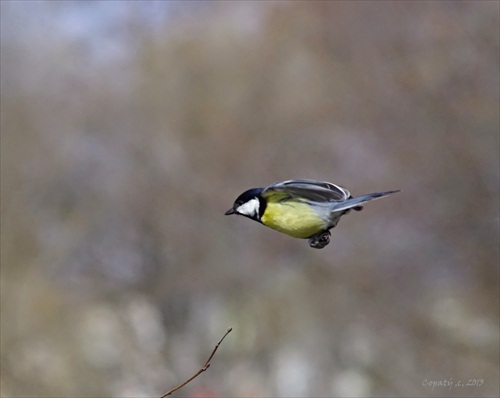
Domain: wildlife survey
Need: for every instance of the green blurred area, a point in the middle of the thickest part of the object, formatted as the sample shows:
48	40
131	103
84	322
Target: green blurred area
120	155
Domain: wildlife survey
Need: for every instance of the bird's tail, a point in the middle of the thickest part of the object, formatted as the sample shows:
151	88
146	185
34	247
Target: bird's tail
354	202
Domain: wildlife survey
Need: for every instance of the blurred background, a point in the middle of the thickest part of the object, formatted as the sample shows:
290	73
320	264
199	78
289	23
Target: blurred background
129	128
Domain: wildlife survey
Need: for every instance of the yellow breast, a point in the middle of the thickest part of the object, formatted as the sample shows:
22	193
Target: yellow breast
292	218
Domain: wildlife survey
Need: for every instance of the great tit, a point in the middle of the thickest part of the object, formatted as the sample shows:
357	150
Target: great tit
305	209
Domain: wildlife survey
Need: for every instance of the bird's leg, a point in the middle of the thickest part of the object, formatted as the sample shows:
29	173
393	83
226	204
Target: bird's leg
319	241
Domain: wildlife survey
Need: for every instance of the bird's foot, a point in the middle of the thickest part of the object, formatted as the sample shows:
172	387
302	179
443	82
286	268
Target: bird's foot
319	241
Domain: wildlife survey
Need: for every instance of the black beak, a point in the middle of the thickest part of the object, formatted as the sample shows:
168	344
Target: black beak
230	211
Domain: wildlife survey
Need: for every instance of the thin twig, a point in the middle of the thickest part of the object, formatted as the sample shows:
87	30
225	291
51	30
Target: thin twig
199	372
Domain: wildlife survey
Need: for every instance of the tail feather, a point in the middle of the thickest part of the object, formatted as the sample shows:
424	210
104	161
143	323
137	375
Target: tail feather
354	202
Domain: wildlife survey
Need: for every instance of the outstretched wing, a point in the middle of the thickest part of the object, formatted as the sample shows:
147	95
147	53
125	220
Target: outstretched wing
311	190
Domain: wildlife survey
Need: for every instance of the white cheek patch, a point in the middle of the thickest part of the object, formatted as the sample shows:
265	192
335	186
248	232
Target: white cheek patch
250	208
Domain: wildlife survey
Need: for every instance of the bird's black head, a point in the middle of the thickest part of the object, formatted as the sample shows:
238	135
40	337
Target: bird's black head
249	204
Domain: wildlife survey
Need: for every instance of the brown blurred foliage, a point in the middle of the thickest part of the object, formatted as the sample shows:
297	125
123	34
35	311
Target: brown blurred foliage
119	270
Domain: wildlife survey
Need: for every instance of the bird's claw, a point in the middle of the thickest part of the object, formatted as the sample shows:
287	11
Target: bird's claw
319	241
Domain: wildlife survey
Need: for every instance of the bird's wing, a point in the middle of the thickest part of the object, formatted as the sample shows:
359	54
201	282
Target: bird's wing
317	191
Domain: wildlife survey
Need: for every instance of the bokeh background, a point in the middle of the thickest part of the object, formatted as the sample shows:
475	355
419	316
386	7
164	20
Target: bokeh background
128	128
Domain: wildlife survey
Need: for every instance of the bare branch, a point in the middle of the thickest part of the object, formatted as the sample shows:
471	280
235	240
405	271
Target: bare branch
199	372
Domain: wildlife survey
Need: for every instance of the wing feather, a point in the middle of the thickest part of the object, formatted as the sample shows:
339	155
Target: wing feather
310	190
